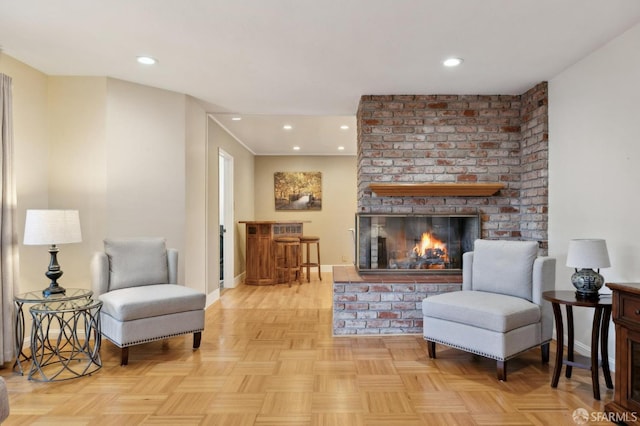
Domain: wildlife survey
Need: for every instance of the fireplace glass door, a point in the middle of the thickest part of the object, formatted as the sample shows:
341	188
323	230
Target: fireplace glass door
414	243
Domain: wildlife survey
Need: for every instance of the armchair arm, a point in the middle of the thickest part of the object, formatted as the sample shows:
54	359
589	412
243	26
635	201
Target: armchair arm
4	401
99	273
467	268
544	279
172	262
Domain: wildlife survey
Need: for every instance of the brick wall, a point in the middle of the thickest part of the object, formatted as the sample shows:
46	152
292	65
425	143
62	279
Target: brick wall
459	138
535	164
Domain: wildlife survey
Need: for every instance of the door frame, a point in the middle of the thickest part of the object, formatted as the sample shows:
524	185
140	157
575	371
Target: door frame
225	208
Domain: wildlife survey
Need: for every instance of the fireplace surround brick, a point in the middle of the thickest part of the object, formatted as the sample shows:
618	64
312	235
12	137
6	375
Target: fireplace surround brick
383	304
444	139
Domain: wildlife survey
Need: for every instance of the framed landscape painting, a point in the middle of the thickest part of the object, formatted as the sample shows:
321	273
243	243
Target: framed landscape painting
297	190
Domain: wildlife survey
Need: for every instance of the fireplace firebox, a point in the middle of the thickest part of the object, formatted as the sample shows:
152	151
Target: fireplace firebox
414	243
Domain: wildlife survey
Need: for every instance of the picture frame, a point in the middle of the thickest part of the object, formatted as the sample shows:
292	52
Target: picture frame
297	190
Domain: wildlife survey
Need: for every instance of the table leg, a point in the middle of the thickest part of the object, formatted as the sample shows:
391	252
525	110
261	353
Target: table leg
604	346
19	338
557	314
595	339
570	339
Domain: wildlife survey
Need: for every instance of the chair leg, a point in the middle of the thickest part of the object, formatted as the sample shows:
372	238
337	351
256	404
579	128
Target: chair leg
544	348
308	261
431	348
197	336
319	273
502	370
124	358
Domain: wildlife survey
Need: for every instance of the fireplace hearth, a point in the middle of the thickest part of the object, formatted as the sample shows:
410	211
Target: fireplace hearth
414	243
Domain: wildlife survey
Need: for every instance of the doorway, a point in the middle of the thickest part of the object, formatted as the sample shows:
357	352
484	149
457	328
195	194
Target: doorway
225	214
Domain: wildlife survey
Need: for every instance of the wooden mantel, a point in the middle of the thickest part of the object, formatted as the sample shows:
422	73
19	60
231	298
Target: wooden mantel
436	189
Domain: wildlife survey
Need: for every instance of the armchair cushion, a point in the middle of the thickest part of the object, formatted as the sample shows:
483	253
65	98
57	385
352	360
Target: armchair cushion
504	267
150	301
142	261
491	311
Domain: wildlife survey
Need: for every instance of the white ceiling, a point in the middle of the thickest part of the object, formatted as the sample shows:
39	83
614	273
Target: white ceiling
304	60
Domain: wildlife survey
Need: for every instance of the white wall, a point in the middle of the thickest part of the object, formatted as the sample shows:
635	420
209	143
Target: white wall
594	153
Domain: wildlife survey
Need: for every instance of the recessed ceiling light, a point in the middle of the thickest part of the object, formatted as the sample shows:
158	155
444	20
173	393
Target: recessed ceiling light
287	127
452	62
296	148
341	148
344	127
147	60
236	118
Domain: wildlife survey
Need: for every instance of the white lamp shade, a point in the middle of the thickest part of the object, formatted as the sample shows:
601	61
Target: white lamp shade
46	227
588	253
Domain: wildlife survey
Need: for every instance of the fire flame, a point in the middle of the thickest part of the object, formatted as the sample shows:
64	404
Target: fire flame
431	246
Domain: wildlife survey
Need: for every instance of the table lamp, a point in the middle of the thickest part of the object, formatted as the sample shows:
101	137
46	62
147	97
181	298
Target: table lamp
52	227
587	254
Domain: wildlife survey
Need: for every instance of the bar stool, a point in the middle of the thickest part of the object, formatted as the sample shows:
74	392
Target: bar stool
288	258
307	241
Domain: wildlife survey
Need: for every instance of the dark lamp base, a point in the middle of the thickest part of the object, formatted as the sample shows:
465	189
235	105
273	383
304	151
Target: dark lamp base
587	283
587	296
53	273
53	290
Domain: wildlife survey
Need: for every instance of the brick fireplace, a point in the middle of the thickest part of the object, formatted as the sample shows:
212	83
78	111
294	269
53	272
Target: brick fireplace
453	139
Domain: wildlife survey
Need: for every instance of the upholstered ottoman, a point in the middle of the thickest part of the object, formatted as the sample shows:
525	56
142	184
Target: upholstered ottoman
488	324
142	314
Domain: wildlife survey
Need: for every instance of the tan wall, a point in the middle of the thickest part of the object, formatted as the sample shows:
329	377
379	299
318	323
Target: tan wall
31	162
195	264
129	157
118	156
136	161
77	178
339	199
145	163
244	192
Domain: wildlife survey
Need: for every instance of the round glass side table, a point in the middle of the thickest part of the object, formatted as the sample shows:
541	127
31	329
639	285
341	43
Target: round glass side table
74	351
35	297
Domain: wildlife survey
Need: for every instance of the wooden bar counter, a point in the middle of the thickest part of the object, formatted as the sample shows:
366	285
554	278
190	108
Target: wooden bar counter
261	255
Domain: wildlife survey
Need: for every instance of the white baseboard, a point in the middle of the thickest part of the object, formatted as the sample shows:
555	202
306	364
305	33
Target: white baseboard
585	350
329	268
213	297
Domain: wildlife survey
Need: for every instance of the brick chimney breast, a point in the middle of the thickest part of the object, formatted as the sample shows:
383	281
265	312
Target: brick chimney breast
460	138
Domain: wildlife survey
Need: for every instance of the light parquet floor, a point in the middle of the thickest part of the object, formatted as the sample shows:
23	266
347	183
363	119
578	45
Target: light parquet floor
268	357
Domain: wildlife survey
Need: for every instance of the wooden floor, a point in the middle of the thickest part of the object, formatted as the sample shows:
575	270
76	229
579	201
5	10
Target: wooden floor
268	358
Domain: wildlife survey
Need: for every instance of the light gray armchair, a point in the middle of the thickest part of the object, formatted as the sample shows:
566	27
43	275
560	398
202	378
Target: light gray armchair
500	312
136	280
4	401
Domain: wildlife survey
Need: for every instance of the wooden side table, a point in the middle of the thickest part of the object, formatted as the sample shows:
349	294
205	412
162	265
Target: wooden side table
599	335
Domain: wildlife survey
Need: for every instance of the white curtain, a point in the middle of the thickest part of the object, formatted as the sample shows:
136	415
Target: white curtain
8	231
